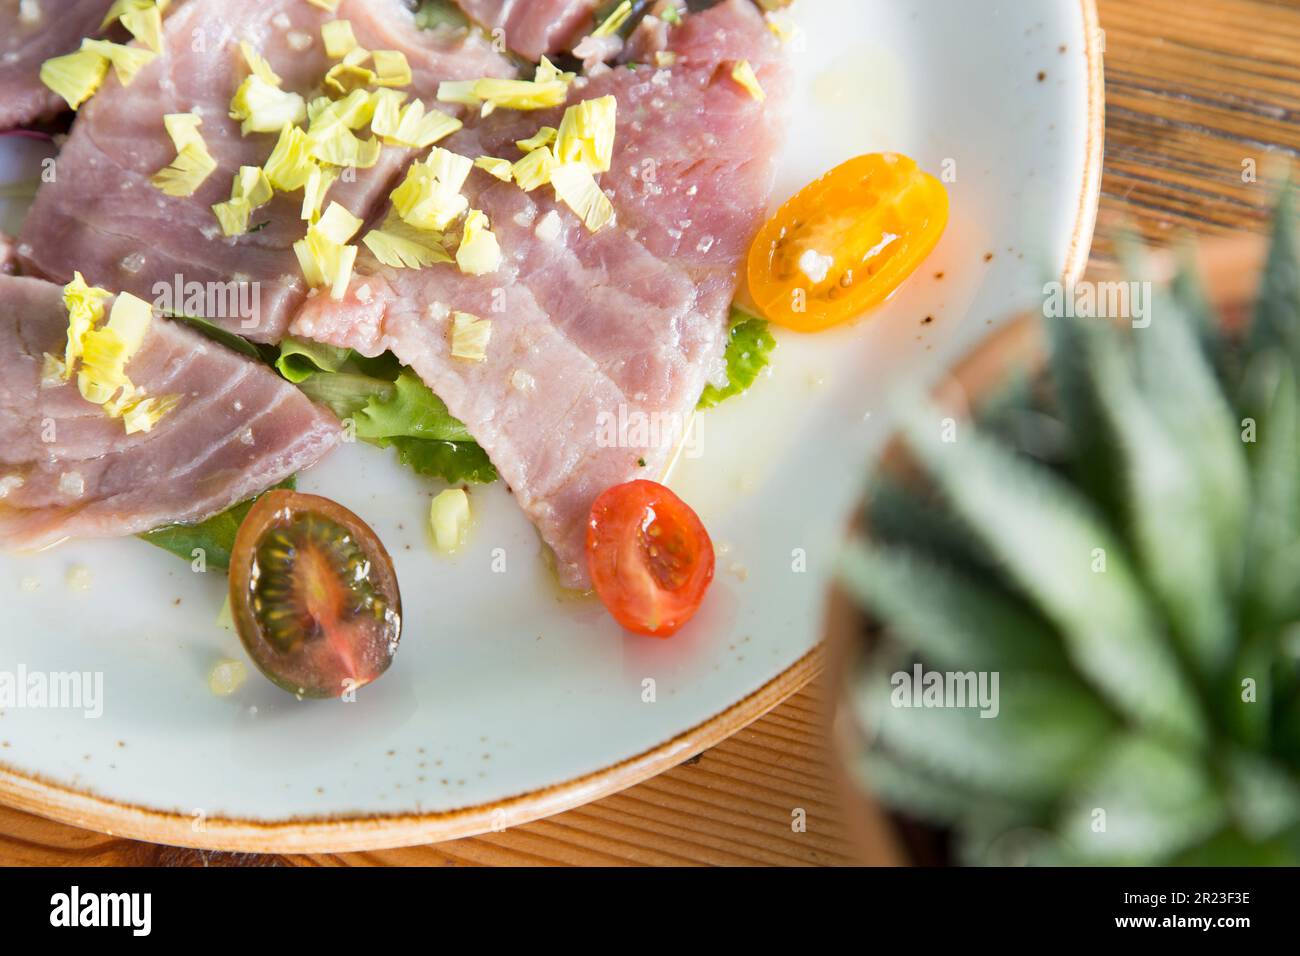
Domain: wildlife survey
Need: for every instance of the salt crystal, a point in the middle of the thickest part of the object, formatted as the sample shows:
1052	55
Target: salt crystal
71	483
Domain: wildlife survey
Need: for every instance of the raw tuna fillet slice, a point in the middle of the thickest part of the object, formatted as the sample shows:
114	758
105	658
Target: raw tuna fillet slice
534	27
68	470
103	217
601	343
31	33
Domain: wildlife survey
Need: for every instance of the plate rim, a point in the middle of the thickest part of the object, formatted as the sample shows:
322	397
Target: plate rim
351	833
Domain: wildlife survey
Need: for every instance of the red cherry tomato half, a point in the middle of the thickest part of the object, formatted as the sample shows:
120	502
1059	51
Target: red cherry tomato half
650	558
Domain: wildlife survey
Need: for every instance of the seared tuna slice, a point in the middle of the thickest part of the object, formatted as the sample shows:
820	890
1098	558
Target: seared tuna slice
103	217
31	32
534	27
601	343
67	470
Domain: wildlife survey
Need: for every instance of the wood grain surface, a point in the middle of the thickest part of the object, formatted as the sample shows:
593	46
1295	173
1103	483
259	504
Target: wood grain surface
1198	93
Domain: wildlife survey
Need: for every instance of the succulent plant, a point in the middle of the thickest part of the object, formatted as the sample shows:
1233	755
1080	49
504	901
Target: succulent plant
1117	539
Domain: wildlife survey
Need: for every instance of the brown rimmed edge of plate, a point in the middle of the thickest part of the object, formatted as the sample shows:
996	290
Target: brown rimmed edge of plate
376	832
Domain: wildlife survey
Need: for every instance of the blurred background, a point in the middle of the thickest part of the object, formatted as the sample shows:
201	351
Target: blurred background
1203	119
1104	550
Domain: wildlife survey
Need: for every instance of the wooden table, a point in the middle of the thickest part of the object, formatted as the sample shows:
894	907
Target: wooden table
1197	90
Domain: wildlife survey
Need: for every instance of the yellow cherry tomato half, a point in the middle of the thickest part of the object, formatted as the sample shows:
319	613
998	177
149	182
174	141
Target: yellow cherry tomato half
846	242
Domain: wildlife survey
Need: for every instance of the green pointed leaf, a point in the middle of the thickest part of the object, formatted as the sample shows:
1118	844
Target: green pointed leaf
1189	294
1043	728
1143	802
1094	459
1170	510
949	619
923	523
1275	325
922	797
1049	540
1231	848
1273	558
1265	796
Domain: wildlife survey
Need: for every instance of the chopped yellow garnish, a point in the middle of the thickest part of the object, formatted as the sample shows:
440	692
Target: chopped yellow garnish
257	65
665	58
250	190
586	134
548	71
325	258
103	352
339	146
75	77
479	252
120	9
183	129
142	18
779	27
85	305
744	74
259	103
490	93
354	111
404	247
429	198
392	68
452	169
502	169
233	216
265	108
410	126
330	6
577	188
614	21
330	138
345	77
251	183
289	166
339	38
127	60
226	677
142	416
338	225
315	189
469	336
543	137
449	518
193	163
535	169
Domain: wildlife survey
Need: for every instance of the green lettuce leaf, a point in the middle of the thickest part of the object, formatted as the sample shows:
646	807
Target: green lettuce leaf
749	350
453	461
433	14
214	537
411	411
300	359
230	340
389	406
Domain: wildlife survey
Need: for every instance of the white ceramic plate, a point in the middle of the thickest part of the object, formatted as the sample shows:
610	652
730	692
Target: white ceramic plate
508	700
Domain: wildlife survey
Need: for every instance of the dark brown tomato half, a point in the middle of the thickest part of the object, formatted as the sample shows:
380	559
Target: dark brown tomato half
314	595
